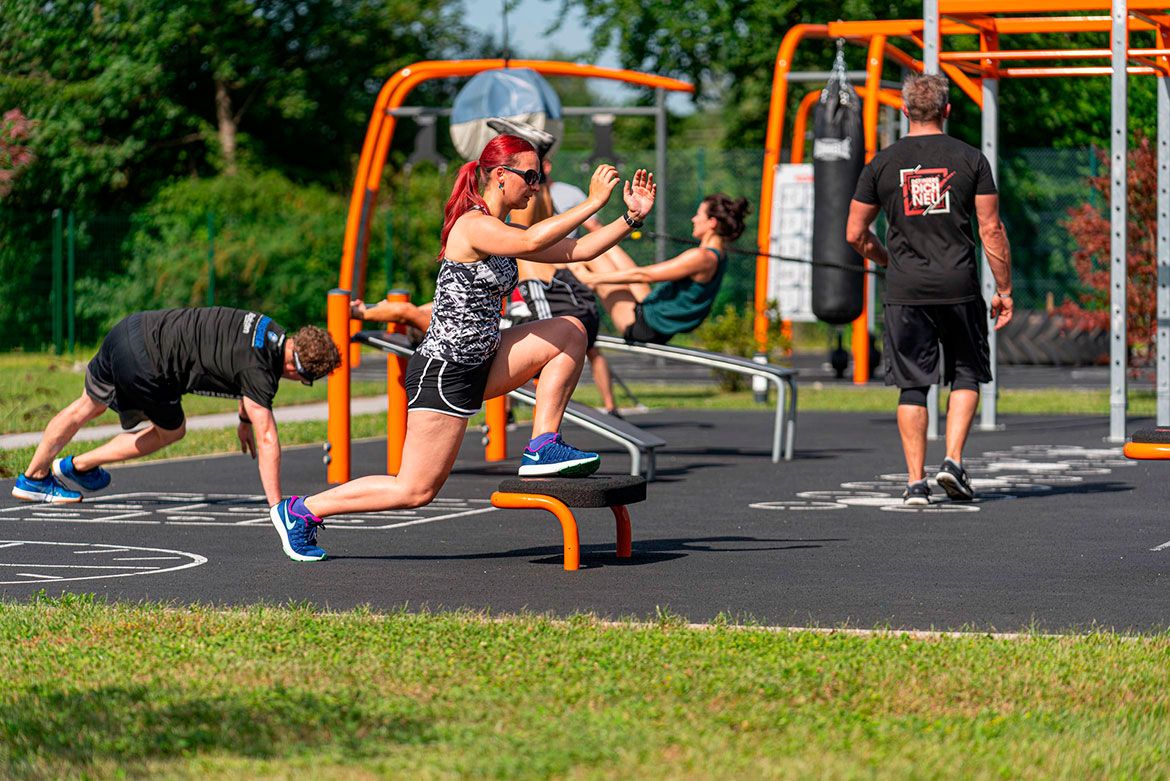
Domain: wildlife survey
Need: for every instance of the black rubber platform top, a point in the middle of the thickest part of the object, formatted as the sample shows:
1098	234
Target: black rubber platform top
1155	436
581	491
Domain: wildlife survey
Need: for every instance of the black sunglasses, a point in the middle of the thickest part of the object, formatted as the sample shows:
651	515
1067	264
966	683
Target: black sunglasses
531	176
306	378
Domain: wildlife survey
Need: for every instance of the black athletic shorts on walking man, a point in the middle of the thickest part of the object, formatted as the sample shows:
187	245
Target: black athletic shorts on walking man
911	342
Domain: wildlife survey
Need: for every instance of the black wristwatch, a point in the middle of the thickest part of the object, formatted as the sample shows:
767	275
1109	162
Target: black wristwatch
631	222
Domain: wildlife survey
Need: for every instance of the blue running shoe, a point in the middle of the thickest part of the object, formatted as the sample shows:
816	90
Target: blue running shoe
557	457
48	490
298	533
94	480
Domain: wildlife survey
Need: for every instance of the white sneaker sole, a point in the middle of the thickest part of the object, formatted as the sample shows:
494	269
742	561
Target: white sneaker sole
581	467
43	498
274	516
916	501
955	490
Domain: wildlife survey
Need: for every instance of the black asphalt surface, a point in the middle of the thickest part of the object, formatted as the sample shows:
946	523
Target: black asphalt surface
1064	537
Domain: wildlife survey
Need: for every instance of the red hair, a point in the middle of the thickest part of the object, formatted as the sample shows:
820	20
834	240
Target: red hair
501	150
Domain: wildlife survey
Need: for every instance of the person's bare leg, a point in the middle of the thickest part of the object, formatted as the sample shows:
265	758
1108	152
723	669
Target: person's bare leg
961	408
616	258
602	377
912	423
129	445
401	312
60	431
428	454
556	349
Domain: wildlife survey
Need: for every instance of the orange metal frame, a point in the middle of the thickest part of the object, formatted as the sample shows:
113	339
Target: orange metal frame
572	541
965	68
352	277
382	124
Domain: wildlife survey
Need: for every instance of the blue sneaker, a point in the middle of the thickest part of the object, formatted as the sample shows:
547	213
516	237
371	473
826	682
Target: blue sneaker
48	490
557	457
298	533
94	480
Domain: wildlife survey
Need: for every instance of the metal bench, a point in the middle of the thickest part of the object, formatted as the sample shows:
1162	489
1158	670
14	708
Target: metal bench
635	440
784	427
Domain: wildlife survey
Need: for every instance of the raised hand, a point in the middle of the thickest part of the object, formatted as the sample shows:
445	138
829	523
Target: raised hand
639	194
601	185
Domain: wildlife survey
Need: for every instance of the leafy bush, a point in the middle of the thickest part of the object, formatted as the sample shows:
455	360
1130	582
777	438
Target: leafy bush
276	250
731	332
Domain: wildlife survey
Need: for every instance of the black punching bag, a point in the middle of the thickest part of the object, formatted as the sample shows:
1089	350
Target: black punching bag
838	157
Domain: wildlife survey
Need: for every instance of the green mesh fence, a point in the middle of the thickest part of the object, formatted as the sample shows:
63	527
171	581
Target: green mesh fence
68	277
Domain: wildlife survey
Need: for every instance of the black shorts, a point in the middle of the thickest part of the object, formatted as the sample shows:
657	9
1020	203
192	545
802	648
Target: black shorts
639	331
436	385
122	378
911	339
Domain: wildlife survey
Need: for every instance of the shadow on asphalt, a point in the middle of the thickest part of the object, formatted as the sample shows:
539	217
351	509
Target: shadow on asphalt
602	555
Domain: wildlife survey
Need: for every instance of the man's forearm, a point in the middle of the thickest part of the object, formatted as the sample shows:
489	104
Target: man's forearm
268	457
999	257
870	248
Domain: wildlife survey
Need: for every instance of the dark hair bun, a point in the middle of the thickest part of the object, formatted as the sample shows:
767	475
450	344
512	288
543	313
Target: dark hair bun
729	215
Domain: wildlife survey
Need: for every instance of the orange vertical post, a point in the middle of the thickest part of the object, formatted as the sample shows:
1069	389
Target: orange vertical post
395	395
873	78
495	446
496	416
337	443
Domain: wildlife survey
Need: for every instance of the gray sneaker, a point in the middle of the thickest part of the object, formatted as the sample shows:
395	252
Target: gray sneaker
916	494
953	479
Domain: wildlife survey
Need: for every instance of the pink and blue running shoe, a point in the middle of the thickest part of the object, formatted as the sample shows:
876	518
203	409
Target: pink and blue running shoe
297	530
557	457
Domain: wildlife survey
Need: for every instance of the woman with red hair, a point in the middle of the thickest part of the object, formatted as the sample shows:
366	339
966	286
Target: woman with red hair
465	357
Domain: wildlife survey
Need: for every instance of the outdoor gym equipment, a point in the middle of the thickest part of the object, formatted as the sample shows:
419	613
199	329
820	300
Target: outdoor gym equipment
977	74
387	108
558	494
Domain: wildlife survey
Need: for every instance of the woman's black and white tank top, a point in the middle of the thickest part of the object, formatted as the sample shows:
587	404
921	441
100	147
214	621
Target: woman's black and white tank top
465	319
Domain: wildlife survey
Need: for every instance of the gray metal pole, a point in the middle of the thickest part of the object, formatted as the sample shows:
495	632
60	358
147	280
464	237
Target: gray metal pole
660	200
987	420
930	35
1163	295
930	61
1118	144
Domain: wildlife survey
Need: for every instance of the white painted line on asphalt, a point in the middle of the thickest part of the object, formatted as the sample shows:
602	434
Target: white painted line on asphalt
436	518
11	544
77	566
111	550
1163	546
35	575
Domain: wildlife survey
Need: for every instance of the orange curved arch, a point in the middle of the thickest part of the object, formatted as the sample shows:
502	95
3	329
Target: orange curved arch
380	131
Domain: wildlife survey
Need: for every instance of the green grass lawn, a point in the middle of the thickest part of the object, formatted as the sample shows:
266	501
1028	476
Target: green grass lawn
95	690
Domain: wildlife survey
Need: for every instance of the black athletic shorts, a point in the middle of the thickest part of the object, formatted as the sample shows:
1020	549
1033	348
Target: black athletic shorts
436	385
639	331
122	378
911	340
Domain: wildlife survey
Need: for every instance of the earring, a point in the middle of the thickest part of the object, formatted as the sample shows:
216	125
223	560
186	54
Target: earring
501	185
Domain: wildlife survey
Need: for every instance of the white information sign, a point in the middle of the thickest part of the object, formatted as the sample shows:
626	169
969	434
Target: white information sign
789	283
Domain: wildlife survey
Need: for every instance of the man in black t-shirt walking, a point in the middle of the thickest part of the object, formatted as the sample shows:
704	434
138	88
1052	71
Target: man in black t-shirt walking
930	185
145	365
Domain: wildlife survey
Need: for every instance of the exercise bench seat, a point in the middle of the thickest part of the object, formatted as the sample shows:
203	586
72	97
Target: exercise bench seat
558	494
1148	443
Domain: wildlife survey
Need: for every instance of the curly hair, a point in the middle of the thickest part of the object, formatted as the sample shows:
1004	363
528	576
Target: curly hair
925	96
316	350
728	214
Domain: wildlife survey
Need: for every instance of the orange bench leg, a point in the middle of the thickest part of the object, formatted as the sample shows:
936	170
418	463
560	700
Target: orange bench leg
623	531
557	508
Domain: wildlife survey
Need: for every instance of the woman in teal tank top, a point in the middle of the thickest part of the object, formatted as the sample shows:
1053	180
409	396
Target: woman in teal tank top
686	285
